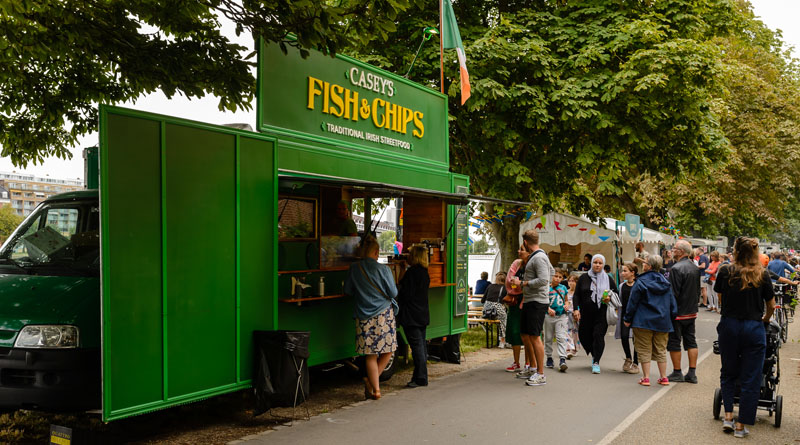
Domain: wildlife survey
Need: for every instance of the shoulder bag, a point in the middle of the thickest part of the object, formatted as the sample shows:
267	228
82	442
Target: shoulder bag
612	308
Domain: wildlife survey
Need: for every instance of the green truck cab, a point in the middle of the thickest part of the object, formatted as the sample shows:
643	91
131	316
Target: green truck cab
50	307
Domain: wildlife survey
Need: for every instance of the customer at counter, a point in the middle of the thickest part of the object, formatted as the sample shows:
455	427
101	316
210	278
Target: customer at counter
414	315
372	285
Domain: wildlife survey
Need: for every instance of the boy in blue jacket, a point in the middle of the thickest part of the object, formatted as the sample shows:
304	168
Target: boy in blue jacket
556	322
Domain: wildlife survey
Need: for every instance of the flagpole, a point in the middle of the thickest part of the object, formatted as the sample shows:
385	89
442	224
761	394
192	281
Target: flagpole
441	46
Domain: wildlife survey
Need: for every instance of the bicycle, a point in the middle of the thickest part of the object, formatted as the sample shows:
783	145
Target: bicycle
780	315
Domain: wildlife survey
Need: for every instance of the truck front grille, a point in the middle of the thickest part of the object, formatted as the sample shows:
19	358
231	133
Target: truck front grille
17	377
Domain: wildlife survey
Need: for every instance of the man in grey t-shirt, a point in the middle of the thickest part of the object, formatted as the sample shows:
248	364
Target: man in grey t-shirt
535	286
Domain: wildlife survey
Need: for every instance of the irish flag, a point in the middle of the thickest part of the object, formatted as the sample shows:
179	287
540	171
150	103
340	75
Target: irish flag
451	38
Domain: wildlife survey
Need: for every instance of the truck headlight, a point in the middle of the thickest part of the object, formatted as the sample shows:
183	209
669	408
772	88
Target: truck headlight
47	336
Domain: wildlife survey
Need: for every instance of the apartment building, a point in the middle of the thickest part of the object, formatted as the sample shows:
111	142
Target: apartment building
26	191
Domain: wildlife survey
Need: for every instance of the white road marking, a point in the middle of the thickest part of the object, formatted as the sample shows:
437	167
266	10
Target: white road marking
641	410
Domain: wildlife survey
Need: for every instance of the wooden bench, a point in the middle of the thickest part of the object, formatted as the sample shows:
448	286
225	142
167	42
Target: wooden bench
475	318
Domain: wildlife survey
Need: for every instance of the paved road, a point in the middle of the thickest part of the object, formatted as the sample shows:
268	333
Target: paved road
487	405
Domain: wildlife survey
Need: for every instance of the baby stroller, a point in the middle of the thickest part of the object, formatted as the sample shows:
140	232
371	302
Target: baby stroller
768	400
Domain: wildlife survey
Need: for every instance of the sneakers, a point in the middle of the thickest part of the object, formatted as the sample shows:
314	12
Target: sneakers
562	365
676	376
513	368
626	367
595	368
690	378
536	380
549	362
739	434
634	369
663	381
727	426
525	373
644	381
571	353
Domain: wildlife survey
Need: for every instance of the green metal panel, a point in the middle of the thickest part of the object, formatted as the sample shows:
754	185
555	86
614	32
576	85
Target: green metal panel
439	306
351	105
131	243
200	258
323	159
333	330
188	258
257	305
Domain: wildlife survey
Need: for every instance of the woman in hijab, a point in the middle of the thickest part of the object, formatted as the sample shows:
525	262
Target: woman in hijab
590	309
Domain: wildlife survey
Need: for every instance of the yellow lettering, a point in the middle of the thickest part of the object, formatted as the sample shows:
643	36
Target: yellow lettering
313	91
350	101
325	105
336	98
378	102
420	129
408	115
391	116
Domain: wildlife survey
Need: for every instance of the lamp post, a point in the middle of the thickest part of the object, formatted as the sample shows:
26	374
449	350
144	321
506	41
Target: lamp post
427	33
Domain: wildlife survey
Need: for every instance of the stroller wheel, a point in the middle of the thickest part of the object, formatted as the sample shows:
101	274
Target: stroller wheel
778	410
717	402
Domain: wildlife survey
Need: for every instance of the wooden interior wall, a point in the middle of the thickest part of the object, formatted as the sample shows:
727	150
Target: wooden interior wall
423	218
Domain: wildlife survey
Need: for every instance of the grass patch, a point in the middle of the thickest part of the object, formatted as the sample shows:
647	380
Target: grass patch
473	340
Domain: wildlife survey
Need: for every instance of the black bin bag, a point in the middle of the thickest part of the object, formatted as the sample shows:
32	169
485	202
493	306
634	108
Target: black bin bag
281	359
451	349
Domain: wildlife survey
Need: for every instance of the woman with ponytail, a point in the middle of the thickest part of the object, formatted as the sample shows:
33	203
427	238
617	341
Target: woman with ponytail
747	301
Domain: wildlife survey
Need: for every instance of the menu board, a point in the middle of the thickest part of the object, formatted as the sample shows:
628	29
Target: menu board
462	257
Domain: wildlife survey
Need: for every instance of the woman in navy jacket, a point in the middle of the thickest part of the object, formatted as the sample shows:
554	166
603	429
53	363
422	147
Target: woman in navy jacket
650	311
414	313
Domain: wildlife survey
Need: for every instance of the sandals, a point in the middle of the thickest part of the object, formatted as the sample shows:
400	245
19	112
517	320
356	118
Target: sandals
644	381
663	381
370	392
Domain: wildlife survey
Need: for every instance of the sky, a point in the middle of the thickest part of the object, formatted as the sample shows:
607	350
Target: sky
777	14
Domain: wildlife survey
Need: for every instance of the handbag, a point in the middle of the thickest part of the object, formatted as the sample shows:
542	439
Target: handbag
490	312
512	300
612	308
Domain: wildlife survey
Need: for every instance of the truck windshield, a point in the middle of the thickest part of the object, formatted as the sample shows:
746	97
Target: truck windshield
58	239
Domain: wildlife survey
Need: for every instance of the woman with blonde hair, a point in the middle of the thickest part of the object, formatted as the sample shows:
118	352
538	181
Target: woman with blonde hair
372	285
745	290
493	307
414	314
713	302
514	315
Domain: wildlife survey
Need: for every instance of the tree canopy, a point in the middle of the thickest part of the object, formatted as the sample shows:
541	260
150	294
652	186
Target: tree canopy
573	100
61	58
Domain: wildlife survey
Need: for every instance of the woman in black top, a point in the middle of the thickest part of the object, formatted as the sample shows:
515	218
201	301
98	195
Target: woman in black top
414	316
590	309
744	288
493	308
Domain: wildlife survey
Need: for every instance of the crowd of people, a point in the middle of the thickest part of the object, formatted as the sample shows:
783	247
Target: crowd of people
538	305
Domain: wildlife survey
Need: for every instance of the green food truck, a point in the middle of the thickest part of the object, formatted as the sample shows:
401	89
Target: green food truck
145	293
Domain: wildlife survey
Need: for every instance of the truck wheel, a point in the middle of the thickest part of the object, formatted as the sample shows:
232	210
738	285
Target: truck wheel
778	411
717	402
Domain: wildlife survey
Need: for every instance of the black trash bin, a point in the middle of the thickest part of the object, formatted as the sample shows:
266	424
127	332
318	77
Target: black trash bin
281	369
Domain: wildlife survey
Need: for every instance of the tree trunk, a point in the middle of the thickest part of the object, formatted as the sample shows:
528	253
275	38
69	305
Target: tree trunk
506	233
